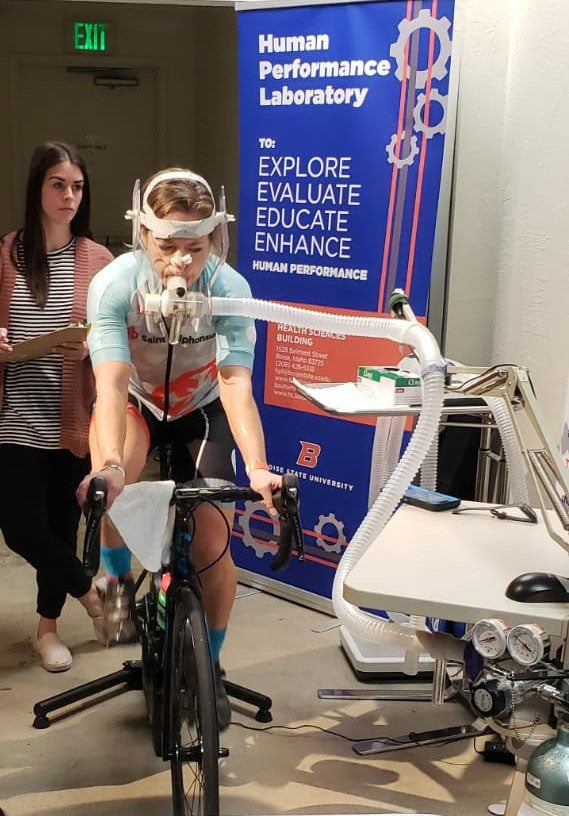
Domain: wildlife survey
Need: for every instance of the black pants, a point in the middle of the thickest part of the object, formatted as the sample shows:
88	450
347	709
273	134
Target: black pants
39	517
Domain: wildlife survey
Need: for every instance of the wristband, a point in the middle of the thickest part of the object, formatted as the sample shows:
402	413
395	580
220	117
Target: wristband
256	464
114	466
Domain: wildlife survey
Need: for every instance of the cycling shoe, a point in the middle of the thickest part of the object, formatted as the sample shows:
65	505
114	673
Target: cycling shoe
119	616
222	700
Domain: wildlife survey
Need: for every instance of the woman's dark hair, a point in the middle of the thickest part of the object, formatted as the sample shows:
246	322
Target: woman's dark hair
31	237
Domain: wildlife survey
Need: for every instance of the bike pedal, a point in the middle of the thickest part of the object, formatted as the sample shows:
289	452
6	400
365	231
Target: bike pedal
223	753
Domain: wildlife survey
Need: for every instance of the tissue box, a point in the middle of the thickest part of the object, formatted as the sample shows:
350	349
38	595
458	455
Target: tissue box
392	385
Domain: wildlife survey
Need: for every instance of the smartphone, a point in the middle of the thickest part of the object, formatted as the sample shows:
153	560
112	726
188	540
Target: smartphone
429	499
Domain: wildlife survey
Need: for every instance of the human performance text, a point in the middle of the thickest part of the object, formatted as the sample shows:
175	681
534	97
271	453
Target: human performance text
303	209
333	72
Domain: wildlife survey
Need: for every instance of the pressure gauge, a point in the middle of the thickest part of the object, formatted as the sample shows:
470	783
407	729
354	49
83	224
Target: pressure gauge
528	643
490	637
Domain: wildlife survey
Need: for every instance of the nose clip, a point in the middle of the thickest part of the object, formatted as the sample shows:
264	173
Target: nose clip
181	261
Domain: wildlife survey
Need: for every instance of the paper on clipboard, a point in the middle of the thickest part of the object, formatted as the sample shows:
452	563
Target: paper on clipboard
42	345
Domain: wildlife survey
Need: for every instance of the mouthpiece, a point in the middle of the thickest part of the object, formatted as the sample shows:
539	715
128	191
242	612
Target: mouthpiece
178	285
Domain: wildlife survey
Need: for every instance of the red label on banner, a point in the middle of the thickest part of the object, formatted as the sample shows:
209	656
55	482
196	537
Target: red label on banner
312	356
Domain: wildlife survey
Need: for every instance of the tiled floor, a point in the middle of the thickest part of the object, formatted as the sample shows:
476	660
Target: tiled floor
100	760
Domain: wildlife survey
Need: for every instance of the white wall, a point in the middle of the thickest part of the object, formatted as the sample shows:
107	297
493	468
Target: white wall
508	294
481	41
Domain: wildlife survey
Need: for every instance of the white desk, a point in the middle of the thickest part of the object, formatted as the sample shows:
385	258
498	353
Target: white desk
457	567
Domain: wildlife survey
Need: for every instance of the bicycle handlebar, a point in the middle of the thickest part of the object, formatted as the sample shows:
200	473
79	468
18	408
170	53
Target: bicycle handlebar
94	510
285	499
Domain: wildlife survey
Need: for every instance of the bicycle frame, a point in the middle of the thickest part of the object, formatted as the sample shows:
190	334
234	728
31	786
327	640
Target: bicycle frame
182	575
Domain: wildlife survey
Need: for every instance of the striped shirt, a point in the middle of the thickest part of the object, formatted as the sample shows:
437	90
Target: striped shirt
31	410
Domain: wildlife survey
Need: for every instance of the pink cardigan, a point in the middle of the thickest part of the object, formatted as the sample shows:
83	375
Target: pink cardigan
78	385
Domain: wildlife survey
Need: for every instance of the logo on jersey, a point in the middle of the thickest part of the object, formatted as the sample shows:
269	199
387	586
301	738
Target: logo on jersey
309	453
182	391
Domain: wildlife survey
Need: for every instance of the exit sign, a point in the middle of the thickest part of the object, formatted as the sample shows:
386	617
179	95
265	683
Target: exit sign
89	36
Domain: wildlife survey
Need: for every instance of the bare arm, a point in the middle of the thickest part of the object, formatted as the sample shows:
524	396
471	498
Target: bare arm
111	381
243	416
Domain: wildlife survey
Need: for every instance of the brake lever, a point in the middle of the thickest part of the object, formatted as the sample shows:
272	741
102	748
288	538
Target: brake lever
290	527
94	510
292	513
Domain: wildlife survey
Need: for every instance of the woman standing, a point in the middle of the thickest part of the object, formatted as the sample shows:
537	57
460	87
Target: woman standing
45	270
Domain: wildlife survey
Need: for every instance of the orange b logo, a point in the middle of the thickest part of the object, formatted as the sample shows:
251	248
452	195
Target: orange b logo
309	453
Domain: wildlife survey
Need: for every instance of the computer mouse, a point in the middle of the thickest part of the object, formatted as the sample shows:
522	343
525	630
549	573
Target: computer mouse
539	587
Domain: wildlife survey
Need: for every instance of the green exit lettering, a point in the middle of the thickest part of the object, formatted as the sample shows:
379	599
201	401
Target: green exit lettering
89	36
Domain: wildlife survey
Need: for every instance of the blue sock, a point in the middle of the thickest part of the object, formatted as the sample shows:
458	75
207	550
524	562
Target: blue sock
216	638
116	560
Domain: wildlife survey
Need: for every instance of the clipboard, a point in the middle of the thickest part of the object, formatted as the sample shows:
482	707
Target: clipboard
43	345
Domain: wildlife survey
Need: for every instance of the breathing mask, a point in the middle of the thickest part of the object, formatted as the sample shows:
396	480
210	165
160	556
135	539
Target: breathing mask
174	302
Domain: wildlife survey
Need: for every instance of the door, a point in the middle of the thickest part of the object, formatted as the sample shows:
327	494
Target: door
113	125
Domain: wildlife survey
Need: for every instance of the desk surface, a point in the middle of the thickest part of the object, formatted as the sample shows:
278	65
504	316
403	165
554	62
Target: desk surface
457	567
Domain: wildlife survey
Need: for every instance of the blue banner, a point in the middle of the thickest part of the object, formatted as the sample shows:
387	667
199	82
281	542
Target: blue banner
343	113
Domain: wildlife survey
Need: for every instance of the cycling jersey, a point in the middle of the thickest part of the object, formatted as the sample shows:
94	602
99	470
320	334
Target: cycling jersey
119	333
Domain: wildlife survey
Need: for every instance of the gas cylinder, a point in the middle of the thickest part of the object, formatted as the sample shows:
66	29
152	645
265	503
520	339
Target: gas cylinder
547	777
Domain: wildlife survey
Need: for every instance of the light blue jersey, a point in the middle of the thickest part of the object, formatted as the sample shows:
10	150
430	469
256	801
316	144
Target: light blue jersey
119	333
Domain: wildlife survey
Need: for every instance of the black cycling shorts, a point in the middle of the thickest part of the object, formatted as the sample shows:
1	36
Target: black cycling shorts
202	447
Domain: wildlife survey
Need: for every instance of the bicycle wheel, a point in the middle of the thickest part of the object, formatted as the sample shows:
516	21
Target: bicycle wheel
192	716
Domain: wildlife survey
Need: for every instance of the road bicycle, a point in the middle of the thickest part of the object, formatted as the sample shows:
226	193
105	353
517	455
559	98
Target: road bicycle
176	672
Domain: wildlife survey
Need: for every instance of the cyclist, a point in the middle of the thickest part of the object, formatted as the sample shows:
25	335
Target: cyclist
201	408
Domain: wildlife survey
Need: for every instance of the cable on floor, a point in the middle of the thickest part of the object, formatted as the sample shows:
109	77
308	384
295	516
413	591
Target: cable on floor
391	740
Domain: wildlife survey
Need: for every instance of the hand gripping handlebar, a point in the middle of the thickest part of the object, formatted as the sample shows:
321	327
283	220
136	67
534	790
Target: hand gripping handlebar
94	510
285	500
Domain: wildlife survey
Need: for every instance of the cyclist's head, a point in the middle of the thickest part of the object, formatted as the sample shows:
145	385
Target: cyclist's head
177	218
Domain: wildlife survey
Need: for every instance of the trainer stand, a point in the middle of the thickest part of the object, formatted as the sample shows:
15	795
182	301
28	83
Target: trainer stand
130	676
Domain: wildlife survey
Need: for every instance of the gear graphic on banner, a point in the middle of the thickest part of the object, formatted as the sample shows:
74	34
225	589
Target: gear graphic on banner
330	546
400	161
252	508
430	130
440	26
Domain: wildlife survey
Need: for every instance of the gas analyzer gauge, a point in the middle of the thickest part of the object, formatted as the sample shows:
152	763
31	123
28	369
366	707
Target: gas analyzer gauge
490	638
528	643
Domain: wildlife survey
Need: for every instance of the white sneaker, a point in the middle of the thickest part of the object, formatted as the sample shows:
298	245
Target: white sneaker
53	653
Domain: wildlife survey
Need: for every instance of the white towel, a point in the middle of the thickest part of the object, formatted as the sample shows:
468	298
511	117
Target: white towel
145	519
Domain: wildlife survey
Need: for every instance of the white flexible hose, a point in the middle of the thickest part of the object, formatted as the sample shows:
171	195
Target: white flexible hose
378	468
429	468
517	470
393	451
432	366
